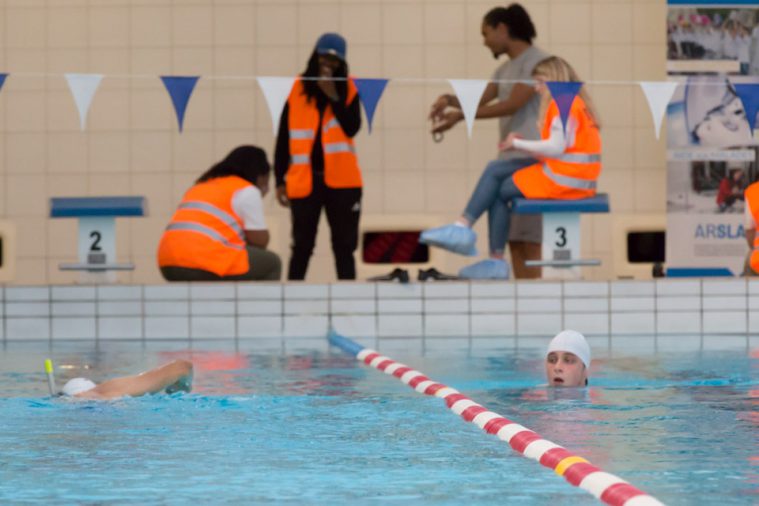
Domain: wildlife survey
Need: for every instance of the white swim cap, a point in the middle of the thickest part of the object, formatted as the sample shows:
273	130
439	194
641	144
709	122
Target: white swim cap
77	386
573	342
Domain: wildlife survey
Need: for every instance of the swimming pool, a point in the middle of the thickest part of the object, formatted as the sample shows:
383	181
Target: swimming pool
295	423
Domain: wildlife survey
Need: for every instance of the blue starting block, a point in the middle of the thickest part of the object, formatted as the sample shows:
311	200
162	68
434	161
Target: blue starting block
561	232
97	232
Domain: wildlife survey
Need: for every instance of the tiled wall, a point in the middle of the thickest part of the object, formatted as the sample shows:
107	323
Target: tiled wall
131	144
430	311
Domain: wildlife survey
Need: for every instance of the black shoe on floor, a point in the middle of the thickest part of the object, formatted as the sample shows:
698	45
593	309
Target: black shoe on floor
400	274
435	274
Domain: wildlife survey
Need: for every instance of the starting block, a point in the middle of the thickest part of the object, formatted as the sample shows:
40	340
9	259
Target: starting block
561	232
97	232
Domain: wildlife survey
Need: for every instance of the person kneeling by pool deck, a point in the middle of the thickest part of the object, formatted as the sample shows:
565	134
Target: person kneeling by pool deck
173	377
568	360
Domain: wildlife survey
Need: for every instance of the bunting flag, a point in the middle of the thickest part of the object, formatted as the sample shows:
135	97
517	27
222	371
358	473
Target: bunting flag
180	88
2	80
370	91
469	93
83	88
658	95
749	95
276	90
564	93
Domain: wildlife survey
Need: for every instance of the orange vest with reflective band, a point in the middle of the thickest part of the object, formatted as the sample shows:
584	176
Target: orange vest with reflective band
341	168
205	233
573	174
752	200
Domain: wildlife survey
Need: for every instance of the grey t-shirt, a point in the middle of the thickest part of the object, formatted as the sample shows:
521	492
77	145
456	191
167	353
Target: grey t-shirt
524	121
524	227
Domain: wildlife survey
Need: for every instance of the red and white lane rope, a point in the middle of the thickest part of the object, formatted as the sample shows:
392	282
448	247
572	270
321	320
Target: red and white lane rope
578	471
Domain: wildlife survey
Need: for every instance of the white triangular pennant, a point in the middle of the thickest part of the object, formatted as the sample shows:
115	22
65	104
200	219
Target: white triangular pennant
658	94
276	90
83	88
469	93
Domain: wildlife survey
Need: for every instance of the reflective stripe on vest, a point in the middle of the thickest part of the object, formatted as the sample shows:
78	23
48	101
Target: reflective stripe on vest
301	133
330	124
568	181
300	159
579	158
214	211
338	147
202	229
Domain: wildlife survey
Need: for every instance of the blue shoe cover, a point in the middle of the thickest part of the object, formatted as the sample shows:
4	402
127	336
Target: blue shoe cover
454	238
486	269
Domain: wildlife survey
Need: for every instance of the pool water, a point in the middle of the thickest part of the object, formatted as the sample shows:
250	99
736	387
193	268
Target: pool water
315	426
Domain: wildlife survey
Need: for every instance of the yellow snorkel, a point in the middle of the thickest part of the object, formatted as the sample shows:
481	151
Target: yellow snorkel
50	377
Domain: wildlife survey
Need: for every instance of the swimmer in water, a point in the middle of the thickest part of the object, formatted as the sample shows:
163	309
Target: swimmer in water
173	377
568	360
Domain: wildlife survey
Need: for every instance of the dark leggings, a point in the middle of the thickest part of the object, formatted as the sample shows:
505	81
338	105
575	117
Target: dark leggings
343	208
264	265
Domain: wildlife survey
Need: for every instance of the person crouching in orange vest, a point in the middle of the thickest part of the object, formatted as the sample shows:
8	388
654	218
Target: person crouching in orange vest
315	160
569	165
218	232
751	219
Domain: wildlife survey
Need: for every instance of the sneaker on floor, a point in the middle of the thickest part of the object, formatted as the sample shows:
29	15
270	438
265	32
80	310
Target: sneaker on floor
486	269
455	238
400	274
435	274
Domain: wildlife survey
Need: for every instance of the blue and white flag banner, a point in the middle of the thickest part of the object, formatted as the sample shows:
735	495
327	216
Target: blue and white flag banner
564	93
658	95
469	93
83	88
749	95
276	90
180	88
3	76
370	91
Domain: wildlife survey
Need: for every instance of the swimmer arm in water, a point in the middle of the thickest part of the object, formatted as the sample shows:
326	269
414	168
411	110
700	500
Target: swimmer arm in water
173	377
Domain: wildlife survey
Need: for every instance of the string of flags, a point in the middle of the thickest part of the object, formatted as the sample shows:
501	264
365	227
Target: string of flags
468	91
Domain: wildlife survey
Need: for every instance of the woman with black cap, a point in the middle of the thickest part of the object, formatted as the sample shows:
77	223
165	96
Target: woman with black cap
315	162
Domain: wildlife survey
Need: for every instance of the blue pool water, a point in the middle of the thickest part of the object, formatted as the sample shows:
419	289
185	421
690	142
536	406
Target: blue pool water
314	426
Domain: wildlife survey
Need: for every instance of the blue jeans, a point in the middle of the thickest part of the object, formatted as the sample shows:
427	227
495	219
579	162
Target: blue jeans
493	193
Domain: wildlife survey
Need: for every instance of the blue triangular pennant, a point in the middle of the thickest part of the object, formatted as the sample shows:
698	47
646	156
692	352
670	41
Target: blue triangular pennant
564	93
370	91
2	80
180	88
749	94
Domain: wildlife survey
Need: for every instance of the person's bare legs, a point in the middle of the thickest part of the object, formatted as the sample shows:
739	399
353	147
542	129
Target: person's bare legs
522	251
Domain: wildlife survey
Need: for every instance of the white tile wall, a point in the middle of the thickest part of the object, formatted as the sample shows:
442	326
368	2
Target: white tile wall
430	311
494	325
446	325
632	323
400	325
120	327
167	327
725	322
259	326
355	325
74	328
538	324
212	327
681	322
259	307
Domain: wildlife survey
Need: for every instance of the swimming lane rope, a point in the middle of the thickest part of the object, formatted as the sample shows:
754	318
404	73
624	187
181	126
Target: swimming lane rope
607	487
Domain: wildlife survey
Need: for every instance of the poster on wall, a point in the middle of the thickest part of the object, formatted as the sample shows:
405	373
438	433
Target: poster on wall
712	152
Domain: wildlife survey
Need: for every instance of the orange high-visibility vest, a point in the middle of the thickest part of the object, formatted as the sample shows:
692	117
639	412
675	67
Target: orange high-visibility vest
573	174
341	168
752	200
205	233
